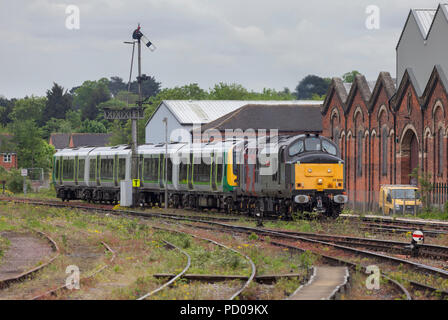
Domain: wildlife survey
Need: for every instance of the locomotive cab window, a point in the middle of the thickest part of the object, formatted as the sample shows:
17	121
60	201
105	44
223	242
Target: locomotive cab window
328	147
312	144
296	148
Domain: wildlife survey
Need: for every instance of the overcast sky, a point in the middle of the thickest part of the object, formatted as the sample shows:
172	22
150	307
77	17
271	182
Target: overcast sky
257	43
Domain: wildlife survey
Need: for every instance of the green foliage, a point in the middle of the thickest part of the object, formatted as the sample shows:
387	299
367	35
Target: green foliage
29	108
311	85
425	185
74	118
89	96
92	126
14	181
349	77
253	236
57	104
56	125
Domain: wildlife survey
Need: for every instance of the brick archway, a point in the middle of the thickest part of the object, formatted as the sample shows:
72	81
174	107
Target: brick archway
409	155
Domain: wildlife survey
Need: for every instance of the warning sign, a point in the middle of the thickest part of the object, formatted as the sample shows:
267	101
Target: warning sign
136	183
418	236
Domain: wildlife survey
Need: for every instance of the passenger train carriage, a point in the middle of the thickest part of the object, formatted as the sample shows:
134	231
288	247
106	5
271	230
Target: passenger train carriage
303	172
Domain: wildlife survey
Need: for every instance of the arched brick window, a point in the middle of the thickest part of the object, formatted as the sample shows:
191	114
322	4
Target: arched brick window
384	152
440	152
359	154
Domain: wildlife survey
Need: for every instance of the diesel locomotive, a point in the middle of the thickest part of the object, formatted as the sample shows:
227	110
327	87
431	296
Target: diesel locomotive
296	173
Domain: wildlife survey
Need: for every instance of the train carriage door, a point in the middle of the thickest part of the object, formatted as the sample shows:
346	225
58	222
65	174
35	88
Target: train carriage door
190	171
76	164
213	171
141	165
162	170
98	166
116	170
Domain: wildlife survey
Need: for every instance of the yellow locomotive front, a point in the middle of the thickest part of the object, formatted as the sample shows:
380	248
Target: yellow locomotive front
318	175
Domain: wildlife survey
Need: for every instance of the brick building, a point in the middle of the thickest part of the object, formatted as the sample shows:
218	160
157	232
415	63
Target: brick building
386	131
8	156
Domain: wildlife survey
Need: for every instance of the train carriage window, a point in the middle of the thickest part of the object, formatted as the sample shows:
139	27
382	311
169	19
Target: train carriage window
107	169
296	148
201	172
328	147
92	170
81	166
151	169
68	169
121	169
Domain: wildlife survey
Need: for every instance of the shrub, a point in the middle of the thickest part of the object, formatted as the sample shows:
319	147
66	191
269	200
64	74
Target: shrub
14	181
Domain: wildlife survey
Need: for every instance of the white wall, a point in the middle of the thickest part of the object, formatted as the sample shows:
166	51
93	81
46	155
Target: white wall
155	129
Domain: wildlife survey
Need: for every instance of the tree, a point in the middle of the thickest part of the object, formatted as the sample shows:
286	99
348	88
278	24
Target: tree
74	119
233	91
57	104
116	85
150	87
89	96
55	125
28	108
310	85
92	126
349	77
5	109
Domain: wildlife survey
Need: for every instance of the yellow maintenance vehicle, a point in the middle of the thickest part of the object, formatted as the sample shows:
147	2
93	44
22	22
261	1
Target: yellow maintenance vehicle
399	199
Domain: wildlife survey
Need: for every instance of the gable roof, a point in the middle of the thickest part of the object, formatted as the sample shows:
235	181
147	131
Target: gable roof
340	89
437	73
204	111
270	116
384	81
424	19
408	78
60	140
359	84
89	139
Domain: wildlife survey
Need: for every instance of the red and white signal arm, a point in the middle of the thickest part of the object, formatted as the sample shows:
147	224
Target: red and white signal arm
418	236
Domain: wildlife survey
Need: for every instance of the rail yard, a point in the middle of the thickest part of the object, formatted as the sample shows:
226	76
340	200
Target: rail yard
182	254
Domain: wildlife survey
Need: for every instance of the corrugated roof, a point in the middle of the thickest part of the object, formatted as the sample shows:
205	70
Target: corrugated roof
204	111
424	19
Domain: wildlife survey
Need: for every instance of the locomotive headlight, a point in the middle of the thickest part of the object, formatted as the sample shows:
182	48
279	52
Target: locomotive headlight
329	170
320	181
309	170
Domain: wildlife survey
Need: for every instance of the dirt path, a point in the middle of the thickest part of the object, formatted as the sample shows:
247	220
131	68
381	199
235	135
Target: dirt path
25	251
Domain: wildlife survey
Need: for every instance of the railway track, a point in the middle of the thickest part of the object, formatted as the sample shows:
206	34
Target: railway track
177	276
401	223
4	283
253	268
414	265
397	247
60	289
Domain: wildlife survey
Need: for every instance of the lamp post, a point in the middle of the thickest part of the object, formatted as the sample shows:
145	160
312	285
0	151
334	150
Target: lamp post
165	121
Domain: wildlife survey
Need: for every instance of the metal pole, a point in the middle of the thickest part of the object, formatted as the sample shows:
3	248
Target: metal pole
165	120
134	169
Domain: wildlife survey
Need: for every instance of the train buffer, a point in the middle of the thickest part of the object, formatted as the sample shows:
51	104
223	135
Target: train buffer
323	284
